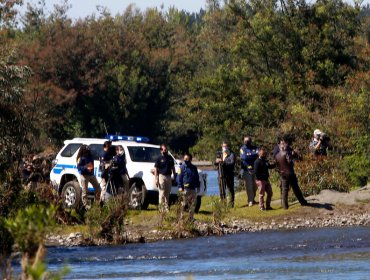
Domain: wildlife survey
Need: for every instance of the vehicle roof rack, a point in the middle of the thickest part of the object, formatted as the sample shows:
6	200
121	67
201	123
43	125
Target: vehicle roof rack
112	137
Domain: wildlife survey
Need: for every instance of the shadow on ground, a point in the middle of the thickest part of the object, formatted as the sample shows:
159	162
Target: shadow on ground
327	206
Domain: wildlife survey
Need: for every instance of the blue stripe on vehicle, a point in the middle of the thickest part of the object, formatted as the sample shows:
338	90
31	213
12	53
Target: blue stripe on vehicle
66	166
57	170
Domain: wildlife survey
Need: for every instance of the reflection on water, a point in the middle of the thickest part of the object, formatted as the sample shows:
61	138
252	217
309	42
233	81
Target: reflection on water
338	253
212	183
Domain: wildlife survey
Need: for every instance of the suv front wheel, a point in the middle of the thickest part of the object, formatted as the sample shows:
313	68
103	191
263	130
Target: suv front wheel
71	195
137	197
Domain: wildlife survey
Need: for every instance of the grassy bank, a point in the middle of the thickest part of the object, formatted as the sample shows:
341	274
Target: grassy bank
212	212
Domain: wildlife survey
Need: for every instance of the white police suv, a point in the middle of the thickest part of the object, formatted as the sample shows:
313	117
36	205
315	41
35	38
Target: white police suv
140	157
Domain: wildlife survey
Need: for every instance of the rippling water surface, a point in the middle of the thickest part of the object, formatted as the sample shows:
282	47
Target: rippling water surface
336	253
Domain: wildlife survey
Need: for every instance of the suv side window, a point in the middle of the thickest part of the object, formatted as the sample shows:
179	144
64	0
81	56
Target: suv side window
96	150
143	154
70	149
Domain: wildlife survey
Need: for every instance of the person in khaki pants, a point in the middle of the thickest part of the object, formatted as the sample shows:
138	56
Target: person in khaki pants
163	168
189	185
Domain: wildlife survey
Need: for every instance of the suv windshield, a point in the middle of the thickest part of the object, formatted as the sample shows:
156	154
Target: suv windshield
144	154
70	149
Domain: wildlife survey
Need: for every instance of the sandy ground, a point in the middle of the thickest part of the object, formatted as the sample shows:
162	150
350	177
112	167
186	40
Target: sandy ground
334	197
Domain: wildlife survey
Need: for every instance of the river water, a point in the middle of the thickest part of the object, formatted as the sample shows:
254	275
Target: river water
329	253
212	183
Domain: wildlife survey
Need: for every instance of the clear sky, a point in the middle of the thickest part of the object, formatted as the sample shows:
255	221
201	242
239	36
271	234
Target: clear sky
83	8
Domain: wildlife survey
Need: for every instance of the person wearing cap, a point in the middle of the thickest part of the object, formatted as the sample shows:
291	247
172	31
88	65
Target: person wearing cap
189	185
319	144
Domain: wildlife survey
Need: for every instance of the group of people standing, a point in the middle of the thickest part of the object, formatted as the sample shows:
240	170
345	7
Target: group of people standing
114	175
115	179
254	168
255	172
186	178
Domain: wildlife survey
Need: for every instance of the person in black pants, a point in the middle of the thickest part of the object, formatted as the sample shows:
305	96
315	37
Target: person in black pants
285	164
226	160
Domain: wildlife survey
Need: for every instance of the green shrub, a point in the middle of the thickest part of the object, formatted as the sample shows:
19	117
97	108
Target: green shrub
108	221
29	229
357	165
6	243
315	175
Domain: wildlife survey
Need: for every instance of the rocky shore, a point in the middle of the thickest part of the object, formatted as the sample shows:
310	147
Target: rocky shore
328	209
205	229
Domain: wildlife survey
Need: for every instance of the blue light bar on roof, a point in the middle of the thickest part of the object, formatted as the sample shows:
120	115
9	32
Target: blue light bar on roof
127	138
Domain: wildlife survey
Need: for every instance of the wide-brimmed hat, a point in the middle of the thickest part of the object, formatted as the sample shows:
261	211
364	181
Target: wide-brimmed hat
317	132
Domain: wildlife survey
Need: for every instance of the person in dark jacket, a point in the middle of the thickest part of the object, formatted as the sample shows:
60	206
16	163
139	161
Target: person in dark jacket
285	164
121	171
85	166
226	161
31	177
105	159
163	168
248	155
117	179
261	169
189	185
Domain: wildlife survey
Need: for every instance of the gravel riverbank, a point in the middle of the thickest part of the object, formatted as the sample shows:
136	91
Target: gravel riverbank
328	209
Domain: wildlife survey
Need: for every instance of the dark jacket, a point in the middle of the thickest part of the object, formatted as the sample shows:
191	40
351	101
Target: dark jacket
228	165
321	150
285	164
82	165
105	157
261	169
276	150
188	176
248	155
120	162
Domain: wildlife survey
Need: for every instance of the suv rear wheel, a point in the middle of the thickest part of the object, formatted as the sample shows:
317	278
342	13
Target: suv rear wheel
71	195
137	196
